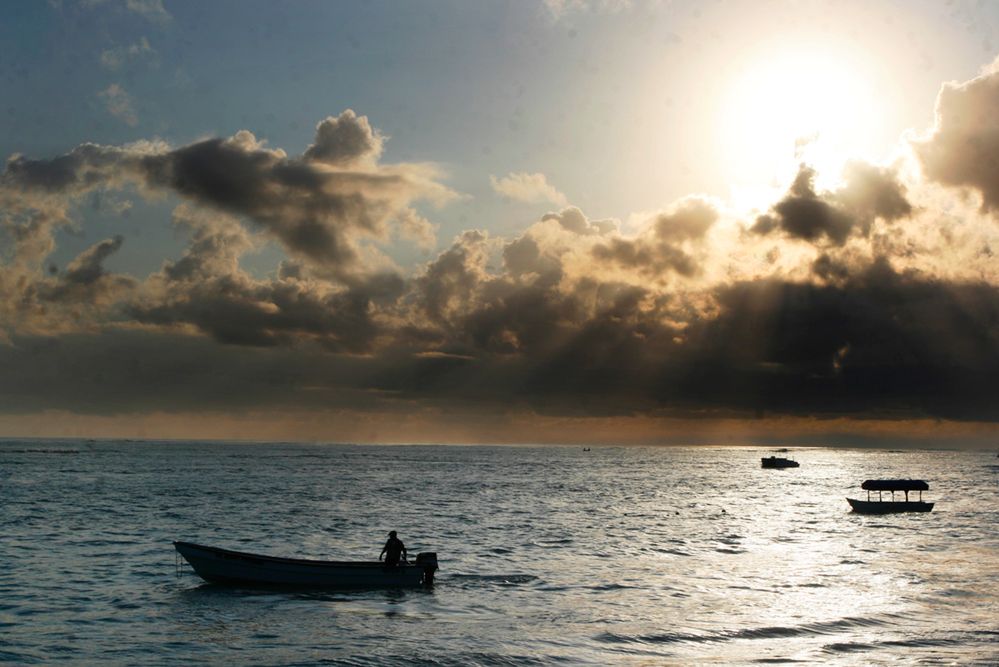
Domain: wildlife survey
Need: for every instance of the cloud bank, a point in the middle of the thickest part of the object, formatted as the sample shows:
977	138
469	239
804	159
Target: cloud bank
875	302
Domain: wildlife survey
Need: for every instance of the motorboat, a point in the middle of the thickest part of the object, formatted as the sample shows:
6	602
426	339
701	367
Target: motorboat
778	462
881	506
224	566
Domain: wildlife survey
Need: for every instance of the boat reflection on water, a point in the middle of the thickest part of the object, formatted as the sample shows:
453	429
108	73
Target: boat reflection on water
881	506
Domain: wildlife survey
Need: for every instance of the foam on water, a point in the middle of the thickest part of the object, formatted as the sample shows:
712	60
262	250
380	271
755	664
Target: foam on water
548	555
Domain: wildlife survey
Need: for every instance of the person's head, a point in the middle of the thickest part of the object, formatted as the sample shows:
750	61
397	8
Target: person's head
391	533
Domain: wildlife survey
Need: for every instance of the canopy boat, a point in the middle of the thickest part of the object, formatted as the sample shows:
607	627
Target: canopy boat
223	566
881	506
778	462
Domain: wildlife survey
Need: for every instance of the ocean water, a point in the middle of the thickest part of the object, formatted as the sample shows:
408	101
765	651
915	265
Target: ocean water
614	556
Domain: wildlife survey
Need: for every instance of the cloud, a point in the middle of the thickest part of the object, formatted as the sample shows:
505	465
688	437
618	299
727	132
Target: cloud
572	219
84	169
528	188
119	104
152	10
315	210
804	215
869	193
449	283
963	148
872	192
318	210
881	343
667	244
345	140
114	58
834	304
208	291
85	280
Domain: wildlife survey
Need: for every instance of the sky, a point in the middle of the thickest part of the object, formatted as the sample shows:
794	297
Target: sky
551	221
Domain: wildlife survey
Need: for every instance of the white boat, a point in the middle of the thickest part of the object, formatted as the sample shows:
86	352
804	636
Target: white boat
223	566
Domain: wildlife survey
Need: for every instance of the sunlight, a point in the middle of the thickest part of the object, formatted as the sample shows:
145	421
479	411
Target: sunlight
793	106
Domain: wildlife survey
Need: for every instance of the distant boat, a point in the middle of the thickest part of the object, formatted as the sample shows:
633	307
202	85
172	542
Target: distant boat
223	566
778	462
892	506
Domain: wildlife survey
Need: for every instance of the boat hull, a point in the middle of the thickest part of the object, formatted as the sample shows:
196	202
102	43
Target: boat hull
777	463
888	507
223	566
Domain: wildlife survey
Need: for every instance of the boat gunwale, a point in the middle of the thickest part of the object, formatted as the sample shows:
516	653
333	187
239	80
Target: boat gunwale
243	555
860	506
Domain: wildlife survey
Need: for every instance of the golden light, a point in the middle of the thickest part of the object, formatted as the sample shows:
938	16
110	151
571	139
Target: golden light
804	104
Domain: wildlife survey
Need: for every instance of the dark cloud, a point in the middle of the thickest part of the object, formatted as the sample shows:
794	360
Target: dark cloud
88	267
802	214
873	192
126	371
215	246
525	258
450	282
85	167
85	281
300	205
869	193
317	206
880	343
661	248
234	309
871	343
963	150
830	269
569	318
208	290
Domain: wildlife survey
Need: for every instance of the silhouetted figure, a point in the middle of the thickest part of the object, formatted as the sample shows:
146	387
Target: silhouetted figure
393	550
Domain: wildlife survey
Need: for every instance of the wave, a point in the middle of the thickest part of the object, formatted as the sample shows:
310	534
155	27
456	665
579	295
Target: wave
854	647
675	552
770	632
462	658
847	647
502	579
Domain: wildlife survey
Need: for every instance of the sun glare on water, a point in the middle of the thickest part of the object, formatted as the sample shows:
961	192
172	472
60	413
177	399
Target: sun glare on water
792	106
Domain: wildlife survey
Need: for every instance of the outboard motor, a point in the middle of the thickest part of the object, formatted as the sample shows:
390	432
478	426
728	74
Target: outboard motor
428	559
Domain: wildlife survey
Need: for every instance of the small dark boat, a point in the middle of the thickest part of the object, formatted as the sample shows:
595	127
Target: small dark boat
881	506
223	566
778	462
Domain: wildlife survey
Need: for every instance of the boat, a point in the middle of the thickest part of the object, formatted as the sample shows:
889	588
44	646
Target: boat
224	566
881	506
778	462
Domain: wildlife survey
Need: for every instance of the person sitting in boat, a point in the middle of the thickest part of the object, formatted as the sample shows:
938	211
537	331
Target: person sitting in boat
393	550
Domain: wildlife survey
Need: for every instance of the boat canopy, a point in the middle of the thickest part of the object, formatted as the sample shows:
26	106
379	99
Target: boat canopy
895	485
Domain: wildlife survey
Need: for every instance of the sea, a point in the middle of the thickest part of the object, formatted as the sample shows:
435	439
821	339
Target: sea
548	555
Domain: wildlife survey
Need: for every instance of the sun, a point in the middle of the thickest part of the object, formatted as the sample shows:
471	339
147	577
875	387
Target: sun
798	105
